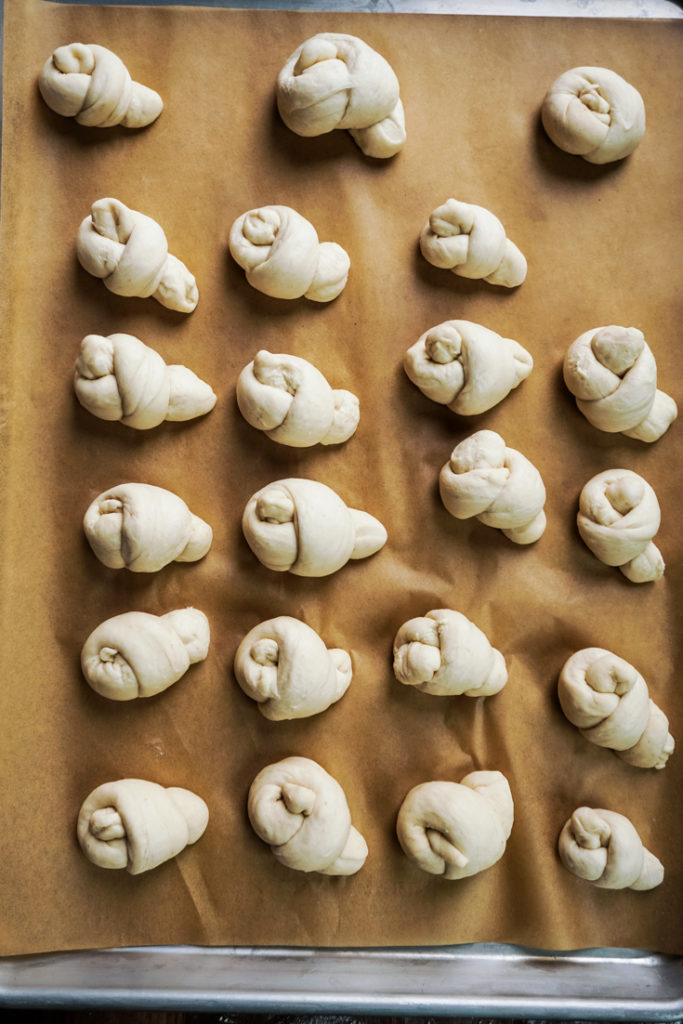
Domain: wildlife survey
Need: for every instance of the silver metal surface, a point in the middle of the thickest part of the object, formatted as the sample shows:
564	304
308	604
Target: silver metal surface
475	980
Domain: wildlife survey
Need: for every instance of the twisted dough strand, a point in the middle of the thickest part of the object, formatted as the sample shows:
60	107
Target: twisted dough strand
471	242
120	378
604	848
92	85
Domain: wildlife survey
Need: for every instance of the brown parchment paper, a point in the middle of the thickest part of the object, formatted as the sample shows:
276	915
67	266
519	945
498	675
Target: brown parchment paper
603	245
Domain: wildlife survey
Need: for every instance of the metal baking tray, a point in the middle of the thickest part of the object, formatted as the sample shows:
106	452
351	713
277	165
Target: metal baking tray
475	980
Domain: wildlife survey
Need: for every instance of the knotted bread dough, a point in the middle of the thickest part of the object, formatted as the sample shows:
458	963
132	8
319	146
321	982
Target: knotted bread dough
304	527
612	373
456	829
139	655
594	113
285	666
91	84
444	653
280	252
120	378
335	80
607	699
471	242
290	400
466	366
617	519
128	251
137	825
142	528
302	813
498	485
604	848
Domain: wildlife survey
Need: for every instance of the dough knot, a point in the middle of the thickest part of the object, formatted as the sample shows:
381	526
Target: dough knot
128	251
471	242
443	653
617	519
466	366
497	485
301	812
280	252
92	85
334	80
604	848
291	401
137	825
457	829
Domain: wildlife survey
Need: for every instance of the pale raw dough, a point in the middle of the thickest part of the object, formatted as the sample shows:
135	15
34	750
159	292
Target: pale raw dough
137	825
444	653
471	242
91	84
612	373
137	654
334	80
466	366
456	829
120	378
302	813
282	256
142	528
594	113
607	699
290	400
285	666
604	848
128	251
617	519
498	485
304	527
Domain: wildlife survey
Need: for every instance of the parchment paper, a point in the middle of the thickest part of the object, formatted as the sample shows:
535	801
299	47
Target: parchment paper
603	245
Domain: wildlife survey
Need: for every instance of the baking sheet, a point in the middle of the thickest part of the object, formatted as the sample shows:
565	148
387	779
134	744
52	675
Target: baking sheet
601	245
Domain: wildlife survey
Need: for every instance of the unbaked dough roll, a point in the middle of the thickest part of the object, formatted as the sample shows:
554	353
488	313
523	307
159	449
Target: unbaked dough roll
291	401
301	812
91	84
457	829
498	485
304	527
334	80
139	655
617	519
286	668
471	242
607	699
120	378
612	373
142	528
594	113
443	653
137	825
604	848
280	252
466	366
128	251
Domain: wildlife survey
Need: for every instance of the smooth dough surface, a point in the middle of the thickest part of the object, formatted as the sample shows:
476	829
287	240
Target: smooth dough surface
594	113
286	668
291	401
604	848
128	251
335	80
142	528
457	829
137	825
301	812
497	484
120	378
471	242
